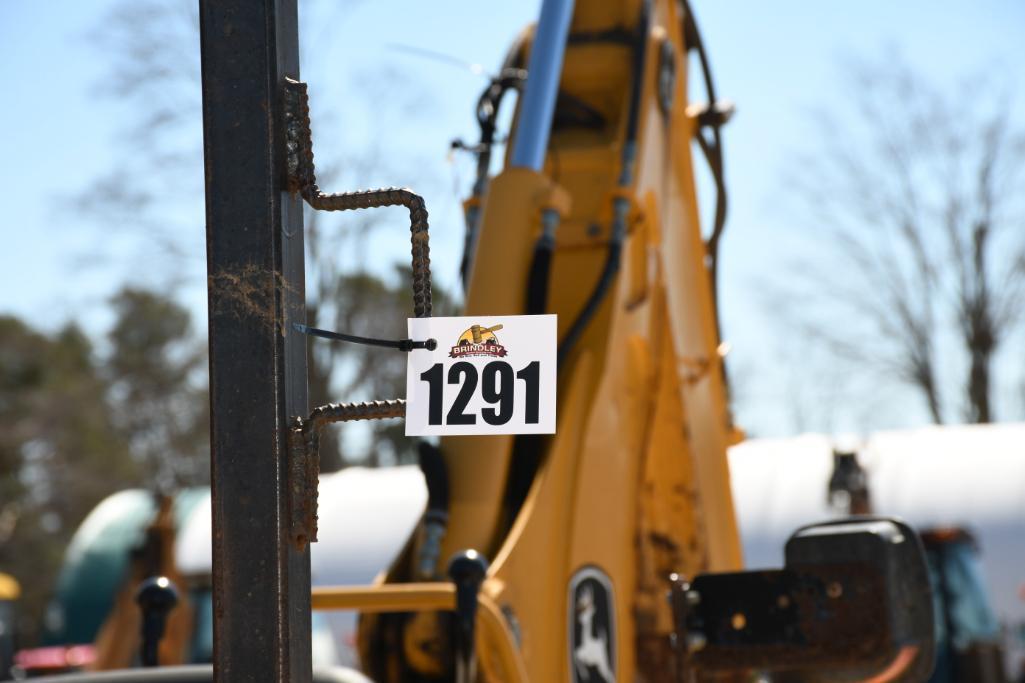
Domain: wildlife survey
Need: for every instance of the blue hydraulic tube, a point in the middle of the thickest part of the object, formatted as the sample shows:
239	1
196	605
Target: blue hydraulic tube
543	74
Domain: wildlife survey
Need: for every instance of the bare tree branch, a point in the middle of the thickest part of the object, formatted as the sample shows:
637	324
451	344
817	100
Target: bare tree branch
906	208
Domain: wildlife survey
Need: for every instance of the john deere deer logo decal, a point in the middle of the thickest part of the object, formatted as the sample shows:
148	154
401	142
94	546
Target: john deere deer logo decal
478	341
592	627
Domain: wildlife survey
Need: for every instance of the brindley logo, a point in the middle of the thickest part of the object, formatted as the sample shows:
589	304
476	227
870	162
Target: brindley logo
478	341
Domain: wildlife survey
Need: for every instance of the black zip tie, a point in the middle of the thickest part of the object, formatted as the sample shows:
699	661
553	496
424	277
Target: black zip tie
406	345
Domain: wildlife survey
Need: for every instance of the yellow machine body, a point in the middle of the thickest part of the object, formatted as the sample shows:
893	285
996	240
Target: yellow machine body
635	480
10	589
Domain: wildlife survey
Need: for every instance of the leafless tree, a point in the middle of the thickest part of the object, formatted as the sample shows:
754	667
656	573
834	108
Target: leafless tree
156	187
914	234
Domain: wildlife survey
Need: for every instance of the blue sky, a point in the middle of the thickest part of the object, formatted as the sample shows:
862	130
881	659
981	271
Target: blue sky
775	60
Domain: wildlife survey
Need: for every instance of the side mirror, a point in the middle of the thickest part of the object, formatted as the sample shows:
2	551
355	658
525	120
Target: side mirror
853	603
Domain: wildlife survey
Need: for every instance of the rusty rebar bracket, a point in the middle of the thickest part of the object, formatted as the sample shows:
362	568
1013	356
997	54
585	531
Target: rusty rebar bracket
302	178
304	434
304	452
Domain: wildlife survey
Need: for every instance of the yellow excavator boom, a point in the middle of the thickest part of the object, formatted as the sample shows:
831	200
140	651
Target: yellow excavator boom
634	484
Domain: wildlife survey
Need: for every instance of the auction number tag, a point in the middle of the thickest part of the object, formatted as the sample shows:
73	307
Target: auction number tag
488	375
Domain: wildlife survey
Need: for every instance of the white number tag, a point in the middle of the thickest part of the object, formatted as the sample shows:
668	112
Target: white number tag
488	375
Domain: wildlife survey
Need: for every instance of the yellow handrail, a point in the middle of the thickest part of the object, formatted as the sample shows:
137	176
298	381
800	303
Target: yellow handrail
494	639
389	597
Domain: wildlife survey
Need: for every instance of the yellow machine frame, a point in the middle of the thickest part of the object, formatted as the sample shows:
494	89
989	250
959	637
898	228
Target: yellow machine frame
635	480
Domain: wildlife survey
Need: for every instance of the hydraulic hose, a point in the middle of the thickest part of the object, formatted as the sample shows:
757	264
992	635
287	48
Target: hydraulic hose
528	448
613	259
435	472
510	78
621	206
541	264
712	150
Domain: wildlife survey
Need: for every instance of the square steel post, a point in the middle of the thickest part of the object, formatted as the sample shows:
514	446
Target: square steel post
261	581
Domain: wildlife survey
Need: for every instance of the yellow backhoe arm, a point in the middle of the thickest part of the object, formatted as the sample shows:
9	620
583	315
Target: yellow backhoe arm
634	484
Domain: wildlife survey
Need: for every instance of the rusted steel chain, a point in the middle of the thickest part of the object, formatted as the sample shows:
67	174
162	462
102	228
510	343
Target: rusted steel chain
302	178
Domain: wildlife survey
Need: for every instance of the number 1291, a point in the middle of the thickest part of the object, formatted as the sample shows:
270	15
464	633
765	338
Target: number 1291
497	388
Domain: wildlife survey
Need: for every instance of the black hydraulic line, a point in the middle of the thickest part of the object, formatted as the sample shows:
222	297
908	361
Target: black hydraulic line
435	472
712	150
537	280
510	77
435	476
528	448
541	264
513	78
541	261
636	89
487	118
621	206
613	260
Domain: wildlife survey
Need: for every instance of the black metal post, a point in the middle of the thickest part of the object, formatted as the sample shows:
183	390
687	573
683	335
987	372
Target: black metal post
257	360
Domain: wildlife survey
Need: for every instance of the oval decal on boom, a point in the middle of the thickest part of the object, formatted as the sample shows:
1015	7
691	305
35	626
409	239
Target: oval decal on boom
592	627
